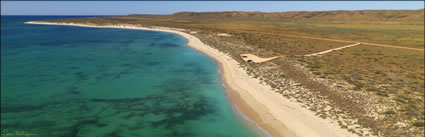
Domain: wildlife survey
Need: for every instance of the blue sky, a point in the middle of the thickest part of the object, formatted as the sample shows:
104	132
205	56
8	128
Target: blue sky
167	7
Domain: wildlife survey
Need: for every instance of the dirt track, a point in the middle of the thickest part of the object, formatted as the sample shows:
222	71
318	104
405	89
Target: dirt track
335	40
334	49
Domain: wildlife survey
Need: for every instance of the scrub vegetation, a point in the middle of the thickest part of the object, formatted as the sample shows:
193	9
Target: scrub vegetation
368	89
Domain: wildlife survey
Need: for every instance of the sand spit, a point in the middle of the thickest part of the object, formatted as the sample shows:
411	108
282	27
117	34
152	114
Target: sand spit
271	111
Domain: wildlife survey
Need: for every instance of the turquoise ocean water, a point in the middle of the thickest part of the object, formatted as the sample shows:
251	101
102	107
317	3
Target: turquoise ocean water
64	81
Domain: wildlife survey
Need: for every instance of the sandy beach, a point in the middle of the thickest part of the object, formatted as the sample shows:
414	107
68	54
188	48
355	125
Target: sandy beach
269	110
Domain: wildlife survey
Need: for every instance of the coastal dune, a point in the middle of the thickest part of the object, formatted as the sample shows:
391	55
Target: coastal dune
269	110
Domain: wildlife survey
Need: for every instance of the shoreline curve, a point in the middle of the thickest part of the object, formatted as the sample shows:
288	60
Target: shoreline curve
269	110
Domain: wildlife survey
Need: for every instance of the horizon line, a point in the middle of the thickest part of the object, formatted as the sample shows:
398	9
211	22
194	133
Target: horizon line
201	12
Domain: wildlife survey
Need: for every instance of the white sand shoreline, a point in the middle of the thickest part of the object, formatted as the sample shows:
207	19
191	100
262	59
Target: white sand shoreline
271	111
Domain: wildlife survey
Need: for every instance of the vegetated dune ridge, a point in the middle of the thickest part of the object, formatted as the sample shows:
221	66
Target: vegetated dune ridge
271	111
366	15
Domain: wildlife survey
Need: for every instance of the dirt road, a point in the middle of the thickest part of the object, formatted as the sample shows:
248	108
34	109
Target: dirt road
334	49
335	40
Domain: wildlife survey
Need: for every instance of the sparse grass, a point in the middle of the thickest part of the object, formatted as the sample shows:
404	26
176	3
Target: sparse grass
402	34
386	72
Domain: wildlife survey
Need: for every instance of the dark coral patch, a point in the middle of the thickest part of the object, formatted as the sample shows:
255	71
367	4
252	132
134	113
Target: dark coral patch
164	45
152	63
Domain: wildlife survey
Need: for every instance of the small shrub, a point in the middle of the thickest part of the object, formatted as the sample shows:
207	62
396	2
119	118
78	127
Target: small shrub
418	124
389	112
379	72
316	73
399	100
372	89
384	94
